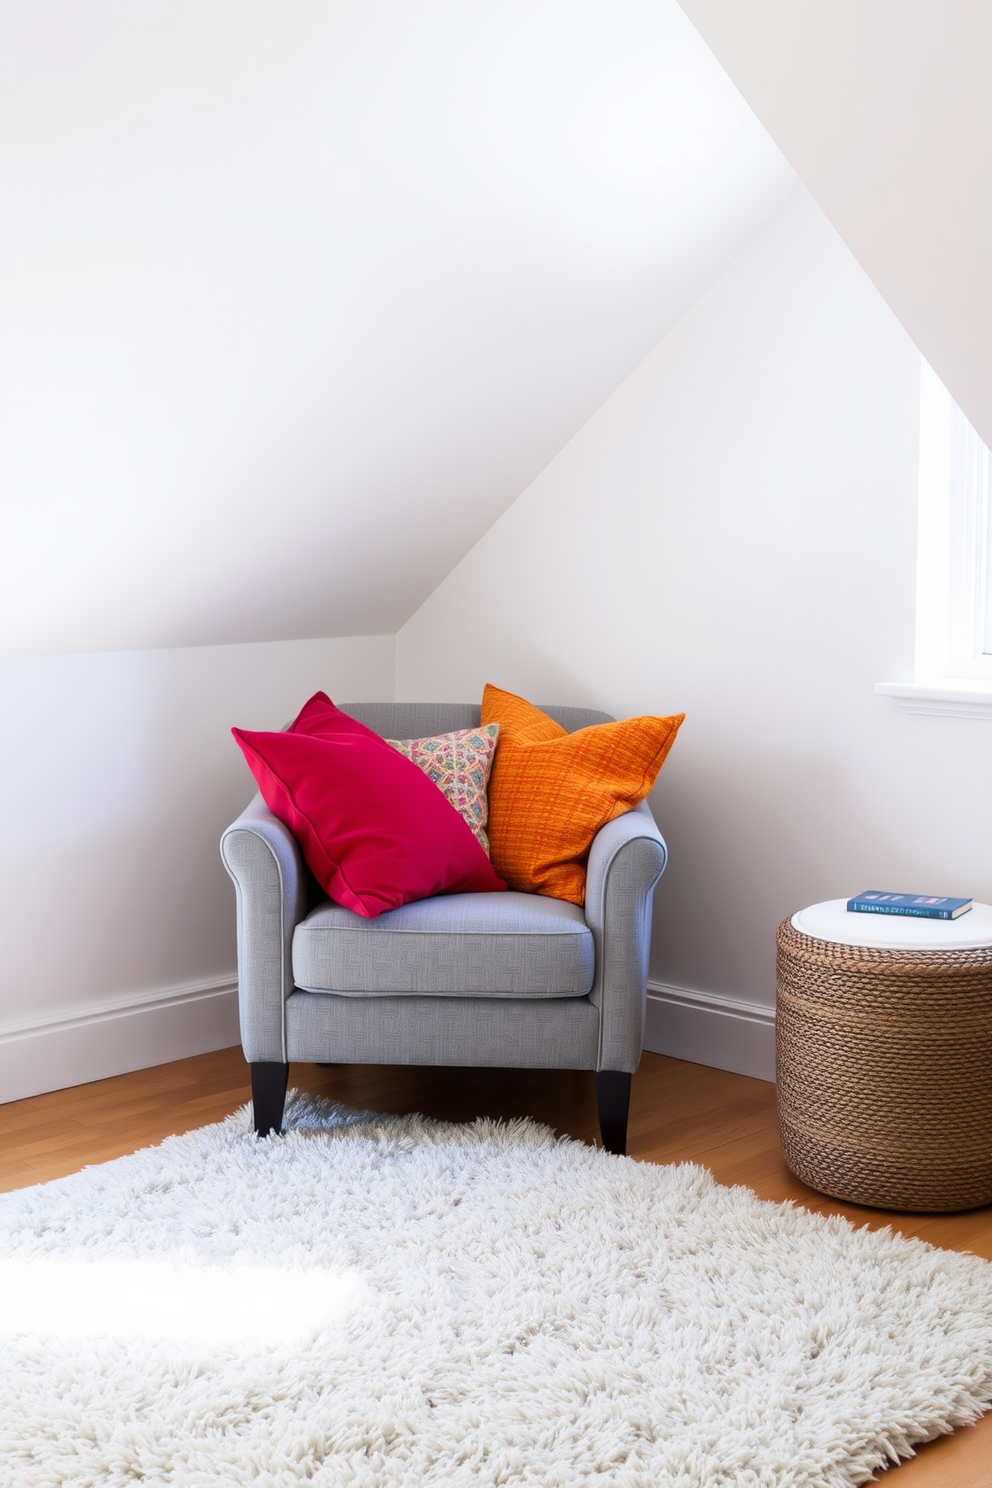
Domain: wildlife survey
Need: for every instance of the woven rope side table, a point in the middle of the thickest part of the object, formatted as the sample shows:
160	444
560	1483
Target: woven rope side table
884	1060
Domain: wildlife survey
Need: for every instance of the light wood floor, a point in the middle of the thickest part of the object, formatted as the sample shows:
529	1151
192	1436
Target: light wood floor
679	1112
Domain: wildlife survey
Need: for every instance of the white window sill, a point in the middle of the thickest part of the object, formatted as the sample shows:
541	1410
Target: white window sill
950	697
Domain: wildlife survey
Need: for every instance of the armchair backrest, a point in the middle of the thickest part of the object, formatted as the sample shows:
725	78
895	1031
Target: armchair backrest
420	720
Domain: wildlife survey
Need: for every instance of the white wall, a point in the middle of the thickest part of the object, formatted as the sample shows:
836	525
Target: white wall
118	774
297	297
733	534
885	111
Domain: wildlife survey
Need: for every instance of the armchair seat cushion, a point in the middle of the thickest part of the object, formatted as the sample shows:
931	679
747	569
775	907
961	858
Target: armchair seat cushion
467	945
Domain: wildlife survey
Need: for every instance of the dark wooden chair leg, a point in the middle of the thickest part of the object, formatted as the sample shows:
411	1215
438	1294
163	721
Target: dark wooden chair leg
268	1096
613	1100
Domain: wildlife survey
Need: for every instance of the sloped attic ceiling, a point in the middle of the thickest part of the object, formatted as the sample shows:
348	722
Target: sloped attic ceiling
885	110
298	297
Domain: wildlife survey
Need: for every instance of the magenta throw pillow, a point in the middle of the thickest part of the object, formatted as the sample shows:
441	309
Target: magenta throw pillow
374	830
323	720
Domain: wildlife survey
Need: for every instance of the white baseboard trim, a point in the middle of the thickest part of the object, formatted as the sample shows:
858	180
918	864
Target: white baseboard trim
111	1038
723	1032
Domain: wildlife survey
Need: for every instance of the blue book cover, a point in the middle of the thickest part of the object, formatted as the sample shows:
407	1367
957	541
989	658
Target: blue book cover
925	906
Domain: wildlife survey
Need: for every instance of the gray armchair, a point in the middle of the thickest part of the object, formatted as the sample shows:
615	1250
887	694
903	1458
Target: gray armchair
506	980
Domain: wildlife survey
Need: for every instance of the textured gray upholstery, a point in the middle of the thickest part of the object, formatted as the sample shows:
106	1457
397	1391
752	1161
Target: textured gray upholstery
626	860
414	720
420	720
506	980
263	858
503	1034
472	945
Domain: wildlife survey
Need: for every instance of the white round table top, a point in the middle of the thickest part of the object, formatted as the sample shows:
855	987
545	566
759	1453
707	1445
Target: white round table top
832	920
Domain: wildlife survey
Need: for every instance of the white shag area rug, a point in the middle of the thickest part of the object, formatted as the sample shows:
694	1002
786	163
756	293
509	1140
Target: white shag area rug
378	1301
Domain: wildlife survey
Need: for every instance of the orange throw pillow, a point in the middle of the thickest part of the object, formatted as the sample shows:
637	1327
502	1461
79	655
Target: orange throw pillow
550	791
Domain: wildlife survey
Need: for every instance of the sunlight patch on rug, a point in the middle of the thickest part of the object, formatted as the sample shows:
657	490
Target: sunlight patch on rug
386	1302
142	1299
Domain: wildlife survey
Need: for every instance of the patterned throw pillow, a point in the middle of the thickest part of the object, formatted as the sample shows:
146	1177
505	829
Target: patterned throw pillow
459	765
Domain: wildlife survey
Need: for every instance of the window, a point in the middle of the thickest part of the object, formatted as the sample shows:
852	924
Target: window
954	592
953	662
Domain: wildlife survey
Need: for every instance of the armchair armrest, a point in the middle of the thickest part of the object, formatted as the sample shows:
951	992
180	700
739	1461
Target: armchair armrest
626	859
263	858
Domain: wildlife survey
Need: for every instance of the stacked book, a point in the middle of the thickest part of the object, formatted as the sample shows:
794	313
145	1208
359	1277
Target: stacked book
925	906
